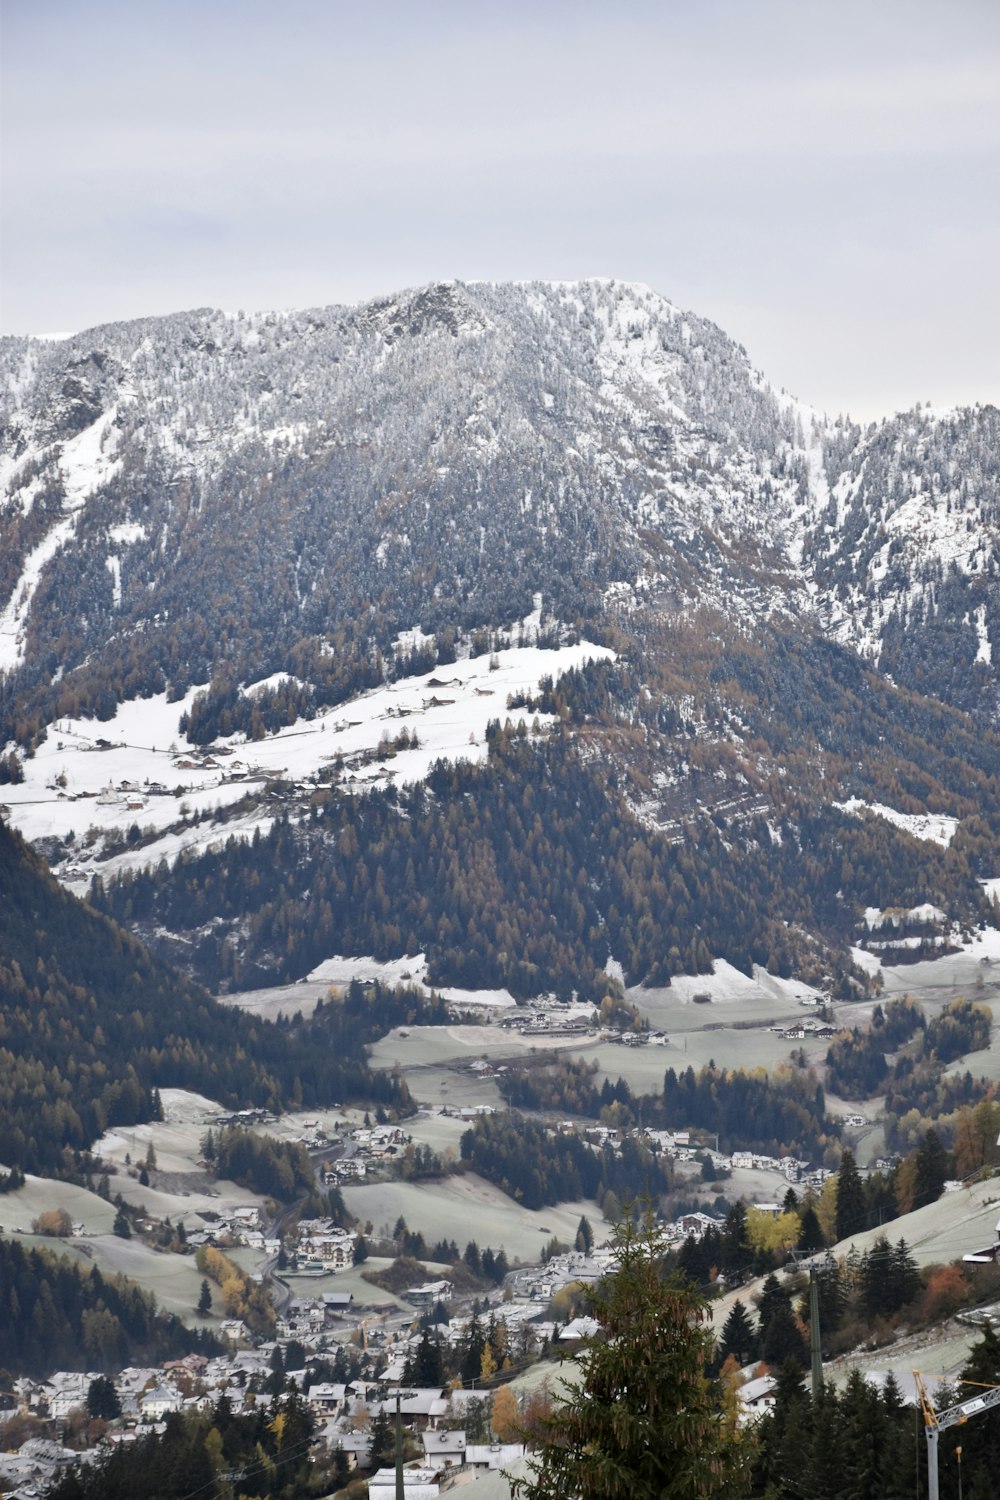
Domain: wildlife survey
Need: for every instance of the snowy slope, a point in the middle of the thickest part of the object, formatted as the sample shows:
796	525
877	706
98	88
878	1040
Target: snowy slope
91	782
180	489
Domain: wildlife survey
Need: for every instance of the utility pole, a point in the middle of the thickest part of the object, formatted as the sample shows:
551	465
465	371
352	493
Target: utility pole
400	1491
815	1349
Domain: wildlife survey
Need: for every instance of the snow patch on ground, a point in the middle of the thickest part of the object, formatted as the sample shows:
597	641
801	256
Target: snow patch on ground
866	961
87	461
876	918
984	651
127	533
935	827
728	986
341	971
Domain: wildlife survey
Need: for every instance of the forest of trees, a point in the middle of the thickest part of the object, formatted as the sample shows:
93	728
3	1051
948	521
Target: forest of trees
536	1166
56	1315
781	1112
525	873
261	1163
918	1090
91	1026
863	1442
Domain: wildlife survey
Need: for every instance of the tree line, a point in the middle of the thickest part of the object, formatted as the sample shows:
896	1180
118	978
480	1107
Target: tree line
91	1026
58	1315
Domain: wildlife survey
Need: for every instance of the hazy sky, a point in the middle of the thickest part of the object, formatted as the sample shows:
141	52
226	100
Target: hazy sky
819	176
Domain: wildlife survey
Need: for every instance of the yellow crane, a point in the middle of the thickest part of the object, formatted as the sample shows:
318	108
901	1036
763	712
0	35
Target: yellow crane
936	1421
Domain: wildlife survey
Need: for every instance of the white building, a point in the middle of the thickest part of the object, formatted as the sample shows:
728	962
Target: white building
418	1484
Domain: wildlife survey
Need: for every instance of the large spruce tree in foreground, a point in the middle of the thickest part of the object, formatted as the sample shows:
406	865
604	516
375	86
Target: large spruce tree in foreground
645	1421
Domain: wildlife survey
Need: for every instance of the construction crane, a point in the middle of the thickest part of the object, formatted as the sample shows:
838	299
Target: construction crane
936	1421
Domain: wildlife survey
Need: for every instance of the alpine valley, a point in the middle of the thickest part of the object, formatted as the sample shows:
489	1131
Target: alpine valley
495	709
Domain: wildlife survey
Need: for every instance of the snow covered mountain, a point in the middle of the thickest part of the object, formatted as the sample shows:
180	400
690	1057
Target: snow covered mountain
905	551
188	489
181	491
291	511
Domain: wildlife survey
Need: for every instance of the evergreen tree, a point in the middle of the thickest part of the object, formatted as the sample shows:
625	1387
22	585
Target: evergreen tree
739	1336
275	1382
205	1299
772	1296
472	1349
931	1170
782	1339
102	1399
736	1252
643	1423
864	1432
785	1436
383	1439
832	1297
851	1214
810	1234
980	1437
428	1368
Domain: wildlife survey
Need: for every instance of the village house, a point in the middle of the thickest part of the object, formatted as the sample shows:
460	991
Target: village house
65	1391
327	1400
160	1402
429	1293
442	1449
420	1408
756	1397
491	1456
418	1484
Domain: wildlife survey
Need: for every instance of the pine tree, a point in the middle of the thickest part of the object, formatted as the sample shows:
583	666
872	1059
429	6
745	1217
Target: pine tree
102	1399
932	1170
832	1296
205	1299
383	1439
782	1338
980	1438
811	1233
864	1433
428	1368
739	1337
643	1423
850	1198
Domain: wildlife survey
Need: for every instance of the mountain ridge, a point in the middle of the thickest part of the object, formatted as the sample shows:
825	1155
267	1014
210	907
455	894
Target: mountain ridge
325	502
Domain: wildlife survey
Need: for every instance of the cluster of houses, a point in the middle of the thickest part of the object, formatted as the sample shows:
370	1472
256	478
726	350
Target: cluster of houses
322	1246
678	1146
28	1473
235	1226
343	1413
369	1146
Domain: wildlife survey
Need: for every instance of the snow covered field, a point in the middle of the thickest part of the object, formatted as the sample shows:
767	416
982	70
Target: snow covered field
936	827
102	775
468	1208
173	1279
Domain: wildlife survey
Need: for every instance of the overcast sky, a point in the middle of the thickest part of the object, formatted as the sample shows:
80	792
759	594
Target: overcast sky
820	177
